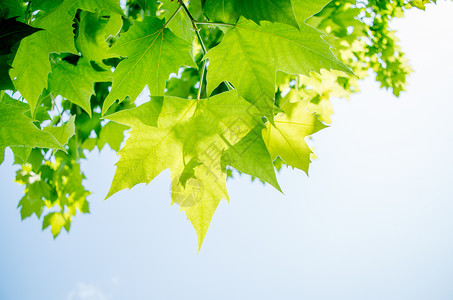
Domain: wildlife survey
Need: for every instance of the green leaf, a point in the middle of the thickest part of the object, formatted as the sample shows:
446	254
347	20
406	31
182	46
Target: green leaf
420	4
92	33
11	32
64	132
32	203
180	25
153	53
31	65
250	55
56	221
88	5
281	11
112	134
5	80
13	8
167	132
250	156
304	9
148	4
97	5
286	138
76	83
18	130
21	154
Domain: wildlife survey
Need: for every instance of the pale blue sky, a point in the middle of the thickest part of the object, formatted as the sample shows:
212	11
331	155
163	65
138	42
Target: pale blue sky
373	221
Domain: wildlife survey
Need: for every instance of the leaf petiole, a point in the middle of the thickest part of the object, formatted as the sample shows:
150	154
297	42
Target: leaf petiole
173	15
203	47
213	23
203	71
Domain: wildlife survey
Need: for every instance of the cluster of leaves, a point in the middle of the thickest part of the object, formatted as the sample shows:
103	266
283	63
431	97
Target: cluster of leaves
225	85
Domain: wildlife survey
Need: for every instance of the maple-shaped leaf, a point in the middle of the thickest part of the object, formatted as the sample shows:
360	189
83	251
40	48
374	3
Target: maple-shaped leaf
11	32
68	195
152	53
286	138
257	10
76	82
37	188
56	221
187	137
250	55
31	65
92	33
18	130
32	203
64	132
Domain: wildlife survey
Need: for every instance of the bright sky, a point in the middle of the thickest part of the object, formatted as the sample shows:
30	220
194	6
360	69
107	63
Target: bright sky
373	221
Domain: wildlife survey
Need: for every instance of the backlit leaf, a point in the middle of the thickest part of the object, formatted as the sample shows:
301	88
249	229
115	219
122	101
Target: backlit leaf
153	53
250	55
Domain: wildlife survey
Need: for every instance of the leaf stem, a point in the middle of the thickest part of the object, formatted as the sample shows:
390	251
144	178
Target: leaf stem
173	15
213	23
195	27
203	47
203	71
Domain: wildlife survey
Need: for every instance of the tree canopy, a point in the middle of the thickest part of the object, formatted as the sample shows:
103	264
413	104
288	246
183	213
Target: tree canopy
204	88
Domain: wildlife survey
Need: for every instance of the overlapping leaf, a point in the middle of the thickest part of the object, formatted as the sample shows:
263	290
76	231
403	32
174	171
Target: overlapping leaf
76	82
31	65
180	25
93	31
153	52
286	138
250	156
18	130
53	185
257	10
250	55
88	5
64	132
187	137
11	32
